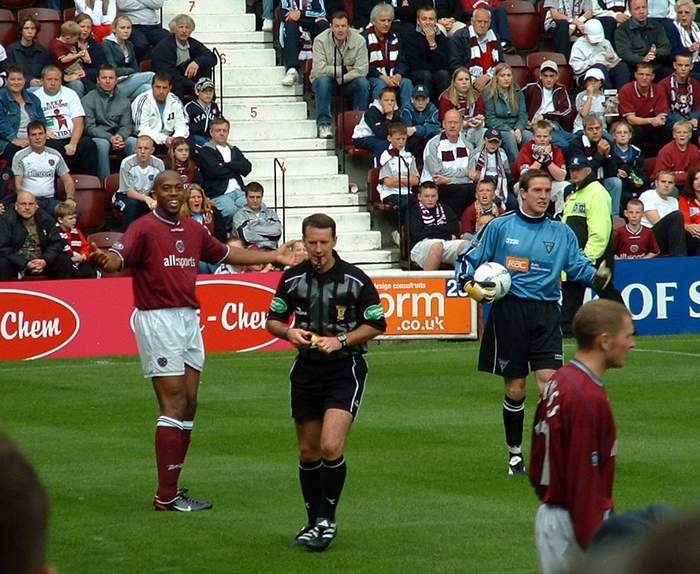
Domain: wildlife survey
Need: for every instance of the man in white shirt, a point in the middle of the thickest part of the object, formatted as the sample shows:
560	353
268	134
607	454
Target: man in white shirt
36	167
65	122
136	175
160	114
662	216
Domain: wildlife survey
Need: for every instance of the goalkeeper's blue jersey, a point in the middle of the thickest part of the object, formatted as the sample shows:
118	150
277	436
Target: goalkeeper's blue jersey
534	250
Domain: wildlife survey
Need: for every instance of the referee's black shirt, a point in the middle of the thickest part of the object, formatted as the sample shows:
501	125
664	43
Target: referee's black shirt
328	304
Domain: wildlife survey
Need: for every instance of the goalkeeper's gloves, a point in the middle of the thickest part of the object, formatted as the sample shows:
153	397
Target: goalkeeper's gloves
601	277
484	292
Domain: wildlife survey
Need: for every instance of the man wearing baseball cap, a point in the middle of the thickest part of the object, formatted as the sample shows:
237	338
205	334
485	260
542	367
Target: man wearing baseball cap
547	99
201	111
594	51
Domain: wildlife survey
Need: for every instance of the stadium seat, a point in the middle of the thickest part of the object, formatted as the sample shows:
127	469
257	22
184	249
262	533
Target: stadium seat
111	186
69	14
566	74
90	199
521	73
373	194
104	239
344	126
525	24
649	166
51	21
8	27
16	4
146	66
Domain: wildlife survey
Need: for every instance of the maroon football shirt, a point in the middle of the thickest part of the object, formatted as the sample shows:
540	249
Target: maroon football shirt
165	256
634	244
572	464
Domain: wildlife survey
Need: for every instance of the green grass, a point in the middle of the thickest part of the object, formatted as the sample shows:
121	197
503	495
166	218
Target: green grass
427	489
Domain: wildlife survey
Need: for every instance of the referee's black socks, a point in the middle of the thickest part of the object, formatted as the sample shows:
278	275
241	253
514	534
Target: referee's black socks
310	479
513	417
332	481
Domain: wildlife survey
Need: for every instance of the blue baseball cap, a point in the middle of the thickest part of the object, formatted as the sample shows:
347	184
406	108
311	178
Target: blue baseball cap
579	162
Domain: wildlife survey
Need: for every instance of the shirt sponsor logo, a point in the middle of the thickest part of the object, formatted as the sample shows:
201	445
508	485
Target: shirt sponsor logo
182	262
517	264
34	325
512	241
374	313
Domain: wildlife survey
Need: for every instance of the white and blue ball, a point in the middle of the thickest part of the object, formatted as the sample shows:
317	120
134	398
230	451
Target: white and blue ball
494	273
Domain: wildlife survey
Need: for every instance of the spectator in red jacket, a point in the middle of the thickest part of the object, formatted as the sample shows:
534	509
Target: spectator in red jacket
689	205
678	155
77	247
643	104
547	99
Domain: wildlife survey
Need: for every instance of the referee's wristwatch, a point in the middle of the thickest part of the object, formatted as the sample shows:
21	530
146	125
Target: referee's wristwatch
343	338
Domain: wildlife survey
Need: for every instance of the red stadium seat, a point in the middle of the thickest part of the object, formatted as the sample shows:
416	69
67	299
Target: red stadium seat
90	199
69	14
8	27
104	239
16	4
146	66
649	166
111	186
345	124
566	74
373	193
51	21
525	24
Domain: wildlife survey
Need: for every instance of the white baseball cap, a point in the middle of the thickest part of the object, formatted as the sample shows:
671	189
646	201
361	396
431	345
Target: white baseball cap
594	31
594	73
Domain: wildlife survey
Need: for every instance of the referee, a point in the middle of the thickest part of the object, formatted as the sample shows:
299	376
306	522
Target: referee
336	311
524	328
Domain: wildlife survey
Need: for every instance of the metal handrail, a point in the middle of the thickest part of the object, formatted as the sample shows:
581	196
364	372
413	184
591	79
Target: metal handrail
283	170
220	85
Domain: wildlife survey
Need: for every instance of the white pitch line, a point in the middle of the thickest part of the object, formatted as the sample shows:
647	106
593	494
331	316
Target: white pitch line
662	352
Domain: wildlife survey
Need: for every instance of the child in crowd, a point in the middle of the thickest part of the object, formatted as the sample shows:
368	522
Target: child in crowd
633	240
629	160
482	210
678	155
372	131
300	253
65	54
181	161
490	161
463	97
201	111
390	186
541	153
77	247
420	116
591	100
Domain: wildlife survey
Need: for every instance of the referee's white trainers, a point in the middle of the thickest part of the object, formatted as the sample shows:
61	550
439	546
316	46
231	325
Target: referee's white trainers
322	535
516	465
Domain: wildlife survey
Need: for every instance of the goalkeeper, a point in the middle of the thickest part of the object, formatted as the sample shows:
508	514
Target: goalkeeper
523	329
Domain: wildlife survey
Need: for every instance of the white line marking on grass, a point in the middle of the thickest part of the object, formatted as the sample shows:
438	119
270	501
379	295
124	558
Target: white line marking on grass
663	352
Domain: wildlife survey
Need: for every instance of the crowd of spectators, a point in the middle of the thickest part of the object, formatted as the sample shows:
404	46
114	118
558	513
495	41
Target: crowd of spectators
441	105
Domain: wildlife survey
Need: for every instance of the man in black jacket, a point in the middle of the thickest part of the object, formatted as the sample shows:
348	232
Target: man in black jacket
30	243
223	168
598	151
434	230
182	57
428	53
28	53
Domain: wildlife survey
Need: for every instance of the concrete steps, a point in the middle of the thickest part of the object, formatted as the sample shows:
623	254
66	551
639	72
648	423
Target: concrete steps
270	121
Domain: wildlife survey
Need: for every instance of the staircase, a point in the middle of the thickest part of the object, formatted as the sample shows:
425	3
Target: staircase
270	121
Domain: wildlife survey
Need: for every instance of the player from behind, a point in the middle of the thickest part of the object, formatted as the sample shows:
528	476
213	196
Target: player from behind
572	464
337	310
164	252
524	327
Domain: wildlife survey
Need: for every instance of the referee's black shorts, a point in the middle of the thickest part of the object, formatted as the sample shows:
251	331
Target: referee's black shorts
521	332
321	385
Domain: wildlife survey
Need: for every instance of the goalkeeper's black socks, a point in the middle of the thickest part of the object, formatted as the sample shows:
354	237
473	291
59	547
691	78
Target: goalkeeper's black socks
513	417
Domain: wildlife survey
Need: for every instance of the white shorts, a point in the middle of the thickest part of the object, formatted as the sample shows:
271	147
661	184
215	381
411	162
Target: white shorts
169	339
450	250
556	543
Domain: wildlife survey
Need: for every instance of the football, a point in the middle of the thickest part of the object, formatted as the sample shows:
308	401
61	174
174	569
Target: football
494	273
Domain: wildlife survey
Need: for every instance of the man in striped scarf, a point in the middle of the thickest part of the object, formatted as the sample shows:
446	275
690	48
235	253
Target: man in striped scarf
477	47
387	64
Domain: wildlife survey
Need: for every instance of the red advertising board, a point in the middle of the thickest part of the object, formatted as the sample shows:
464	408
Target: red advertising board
93	317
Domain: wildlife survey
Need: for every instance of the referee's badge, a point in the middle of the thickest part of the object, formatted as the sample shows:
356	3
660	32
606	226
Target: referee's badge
340	310
180	246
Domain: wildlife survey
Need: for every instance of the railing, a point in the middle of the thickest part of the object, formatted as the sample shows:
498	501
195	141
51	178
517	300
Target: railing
283	170
405	214
219	86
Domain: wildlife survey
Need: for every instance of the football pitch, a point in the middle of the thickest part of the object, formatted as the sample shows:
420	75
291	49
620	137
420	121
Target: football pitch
427	488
